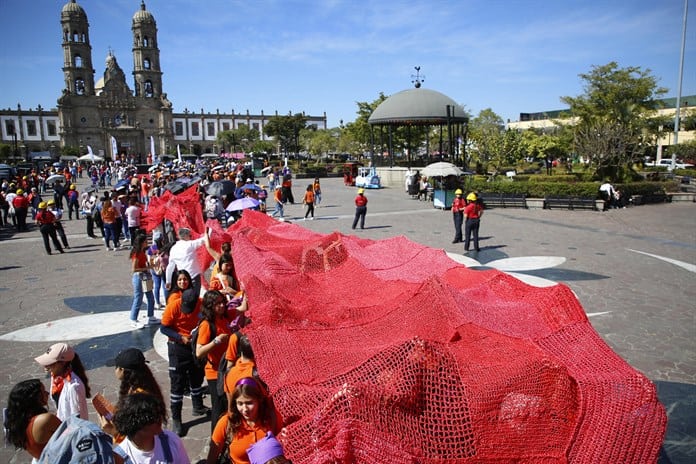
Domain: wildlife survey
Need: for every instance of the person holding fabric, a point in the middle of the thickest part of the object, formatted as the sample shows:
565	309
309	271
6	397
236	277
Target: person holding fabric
28	424
46	222
142	283
178	321
69	383
360	208
182	257
458	206
139	417
213	336
473	212
249	418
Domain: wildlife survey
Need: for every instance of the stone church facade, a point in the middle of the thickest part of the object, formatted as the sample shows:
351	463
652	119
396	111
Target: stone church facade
92	113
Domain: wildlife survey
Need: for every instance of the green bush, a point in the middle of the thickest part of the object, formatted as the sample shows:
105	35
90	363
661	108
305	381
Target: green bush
575	189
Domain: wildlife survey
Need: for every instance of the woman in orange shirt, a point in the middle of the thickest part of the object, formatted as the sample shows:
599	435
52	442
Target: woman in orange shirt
213	334
309	201
224	281
249	417
29	424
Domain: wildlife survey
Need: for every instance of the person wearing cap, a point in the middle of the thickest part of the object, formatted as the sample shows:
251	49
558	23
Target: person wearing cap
458	205
58	213
73	202
183	256
134	375
139	417
178	320
250	416
21	209
473	213
69	383
46	221
360	208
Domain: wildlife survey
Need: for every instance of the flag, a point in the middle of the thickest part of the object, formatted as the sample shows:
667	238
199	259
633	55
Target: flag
152	150
90	152
114	148
178	152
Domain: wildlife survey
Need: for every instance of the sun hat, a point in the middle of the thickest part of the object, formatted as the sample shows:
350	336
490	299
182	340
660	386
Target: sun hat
57	352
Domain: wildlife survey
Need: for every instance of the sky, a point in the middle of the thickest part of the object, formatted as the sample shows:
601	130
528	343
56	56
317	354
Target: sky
318	57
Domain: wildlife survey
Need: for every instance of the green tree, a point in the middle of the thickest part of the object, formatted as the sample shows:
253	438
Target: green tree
243	138
611	118
322	142
5	151
286	130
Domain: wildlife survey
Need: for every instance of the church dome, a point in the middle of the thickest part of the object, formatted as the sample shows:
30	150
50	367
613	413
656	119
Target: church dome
73	9
417	106
142	15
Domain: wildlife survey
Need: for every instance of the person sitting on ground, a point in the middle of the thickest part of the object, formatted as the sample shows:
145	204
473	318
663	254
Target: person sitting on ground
28	424
139	417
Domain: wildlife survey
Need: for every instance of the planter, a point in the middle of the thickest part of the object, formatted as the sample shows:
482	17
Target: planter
690	197
535	203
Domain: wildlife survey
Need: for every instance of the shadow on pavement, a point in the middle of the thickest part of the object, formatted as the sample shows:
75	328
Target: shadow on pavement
679	400
98	352
100	303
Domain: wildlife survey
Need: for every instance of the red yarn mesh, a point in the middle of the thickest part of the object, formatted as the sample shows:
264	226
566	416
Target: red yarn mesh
389	352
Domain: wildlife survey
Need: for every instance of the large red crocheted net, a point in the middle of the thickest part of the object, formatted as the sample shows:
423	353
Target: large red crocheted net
389	352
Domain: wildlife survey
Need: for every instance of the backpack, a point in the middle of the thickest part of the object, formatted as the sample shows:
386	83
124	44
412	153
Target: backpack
200	362
164	439
76	441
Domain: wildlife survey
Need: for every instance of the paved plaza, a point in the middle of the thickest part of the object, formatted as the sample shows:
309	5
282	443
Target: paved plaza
633	270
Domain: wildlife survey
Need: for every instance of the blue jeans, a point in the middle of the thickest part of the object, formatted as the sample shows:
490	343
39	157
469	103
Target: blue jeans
157	286
110	234
138	299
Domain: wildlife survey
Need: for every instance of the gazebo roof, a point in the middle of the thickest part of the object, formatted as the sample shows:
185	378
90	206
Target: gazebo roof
417	107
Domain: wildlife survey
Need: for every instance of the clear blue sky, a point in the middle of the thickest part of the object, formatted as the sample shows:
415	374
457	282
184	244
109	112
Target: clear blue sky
324	56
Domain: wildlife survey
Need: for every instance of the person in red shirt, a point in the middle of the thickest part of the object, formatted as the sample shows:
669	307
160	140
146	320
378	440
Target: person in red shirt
458	205
20	203
360	209
46	222
473	213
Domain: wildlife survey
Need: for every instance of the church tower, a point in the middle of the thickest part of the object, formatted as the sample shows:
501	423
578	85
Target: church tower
146	60
77	52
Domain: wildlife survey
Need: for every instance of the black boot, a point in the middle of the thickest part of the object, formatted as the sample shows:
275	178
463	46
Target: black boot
198	408
176	419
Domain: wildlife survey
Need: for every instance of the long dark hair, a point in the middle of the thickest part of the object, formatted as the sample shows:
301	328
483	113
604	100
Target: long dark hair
79	369
139	379
251	388
208	307
175	286
137	245
24	402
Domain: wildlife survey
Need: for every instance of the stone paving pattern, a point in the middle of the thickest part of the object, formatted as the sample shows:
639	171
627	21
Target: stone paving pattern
649	303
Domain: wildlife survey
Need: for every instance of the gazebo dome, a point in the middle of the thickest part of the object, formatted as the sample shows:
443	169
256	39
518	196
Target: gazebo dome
417	107
142	15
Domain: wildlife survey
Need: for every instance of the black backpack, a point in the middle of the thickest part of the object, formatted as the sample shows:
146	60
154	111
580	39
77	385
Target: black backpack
200	362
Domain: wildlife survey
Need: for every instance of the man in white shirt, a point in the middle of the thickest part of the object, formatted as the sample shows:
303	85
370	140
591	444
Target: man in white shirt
182	256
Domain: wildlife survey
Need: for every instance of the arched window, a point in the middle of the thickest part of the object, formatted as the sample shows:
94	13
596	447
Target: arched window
146	42
148	89
146	63
75	36
79	86
78	61
66	35
136	40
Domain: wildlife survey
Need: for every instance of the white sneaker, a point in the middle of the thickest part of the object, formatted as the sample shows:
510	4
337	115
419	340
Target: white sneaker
136	325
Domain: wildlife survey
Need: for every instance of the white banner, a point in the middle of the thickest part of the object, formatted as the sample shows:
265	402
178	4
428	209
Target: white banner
178	152
90	152
152	150
114	148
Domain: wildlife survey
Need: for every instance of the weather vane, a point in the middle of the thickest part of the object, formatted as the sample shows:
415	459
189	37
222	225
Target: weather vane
418	78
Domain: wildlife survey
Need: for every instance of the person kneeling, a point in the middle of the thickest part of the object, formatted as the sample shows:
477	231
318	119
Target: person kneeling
139	417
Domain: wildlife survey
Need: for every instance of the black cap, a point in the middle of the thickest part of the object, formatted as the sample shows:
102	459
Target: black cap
130	358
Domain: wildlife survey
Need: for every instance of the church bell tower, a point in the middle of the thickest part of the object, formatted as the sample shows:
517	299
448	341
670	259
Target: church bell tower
77	52
146	59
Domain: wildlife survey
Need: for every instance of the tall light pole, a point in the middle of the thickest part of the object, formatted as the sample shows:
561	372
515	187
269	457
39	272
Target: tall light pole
679	84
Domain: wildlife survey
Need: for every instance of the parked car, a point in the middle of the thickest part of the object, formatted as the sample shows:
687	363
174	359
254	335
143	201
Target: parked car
667	163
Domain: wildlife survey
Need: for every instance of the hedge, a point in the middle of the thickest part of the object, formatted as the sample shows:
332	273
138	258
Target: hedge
576	189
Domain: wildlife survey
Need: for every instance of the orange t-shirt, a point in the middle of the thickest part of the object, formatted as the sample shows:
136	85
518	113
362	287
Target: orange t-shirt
243	439
239	371
309	197
173	316
231	354
221	327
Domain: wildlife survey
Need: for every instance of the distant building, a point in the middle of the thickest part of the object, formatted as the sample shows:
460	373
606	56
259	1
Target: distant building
548	119
90	113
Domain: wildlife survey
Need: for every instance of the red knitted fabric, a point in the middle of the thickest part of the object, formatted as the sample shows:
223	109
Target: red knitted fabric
389	352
